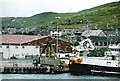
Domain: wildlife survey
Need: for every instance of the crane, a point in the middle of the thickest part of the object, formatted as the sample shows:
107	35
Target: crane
51	60
51	56
84	46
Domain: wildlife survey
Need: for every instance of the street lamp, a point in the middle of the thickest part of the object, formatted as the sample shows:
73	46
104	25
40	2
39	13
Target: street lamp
57	34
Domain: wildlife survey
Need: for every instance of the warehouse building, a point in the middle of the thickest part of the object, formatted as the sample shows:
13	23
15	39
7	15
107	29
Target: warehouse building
30	45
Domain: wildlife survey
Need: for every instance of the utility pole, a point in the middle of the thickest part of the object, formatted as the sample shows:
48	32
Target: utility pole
57	34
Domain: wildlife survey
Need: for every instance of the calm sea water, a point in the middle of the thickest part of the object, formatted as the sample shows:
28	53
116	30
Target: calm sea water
52	76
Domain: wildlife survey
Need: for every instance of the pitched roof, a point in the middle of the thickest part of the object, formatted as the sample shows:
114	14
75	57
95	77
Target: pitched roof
18	39
88	33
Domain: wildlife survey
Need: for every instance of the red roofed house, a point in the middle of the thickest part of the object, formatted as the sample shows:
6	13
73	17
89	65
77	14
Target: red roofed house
22	41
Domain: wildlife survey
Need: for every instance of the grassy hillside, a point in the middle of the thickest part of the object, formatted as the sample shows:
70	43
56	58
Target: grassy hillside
104	16
38	20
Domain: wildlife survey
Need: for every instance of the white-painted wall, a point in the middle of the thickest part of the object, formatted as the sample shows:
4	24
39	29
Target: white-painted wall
19	51
55	33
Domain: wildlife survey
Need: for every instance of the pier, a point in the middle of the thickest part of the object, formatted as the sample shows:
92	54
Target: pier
26	67
32	70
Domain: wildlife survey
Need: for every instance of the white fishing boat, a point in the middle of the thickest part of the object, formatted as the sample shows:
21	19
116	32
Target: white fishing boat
109	64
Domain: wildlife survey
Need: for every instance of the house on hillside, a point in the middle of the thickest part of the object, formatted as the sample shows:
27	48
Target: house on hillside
88	33
97	37
101	39
104	42
112	32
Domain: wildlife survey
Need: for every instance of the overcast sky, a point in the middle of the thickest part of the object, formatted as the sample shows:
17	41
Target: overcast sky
25	8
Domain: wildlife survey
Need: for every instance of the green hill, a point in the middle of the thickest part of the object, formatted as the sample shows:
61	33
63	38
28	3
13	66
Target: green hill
104	16
31	22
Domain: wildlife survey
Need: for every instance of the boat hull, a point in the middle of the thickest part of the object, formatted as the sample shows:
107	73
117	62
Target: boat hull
86	69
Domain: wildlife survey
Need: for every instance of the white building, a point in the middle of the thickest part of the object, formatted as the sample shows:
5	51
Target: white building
55	33
18	51
22	45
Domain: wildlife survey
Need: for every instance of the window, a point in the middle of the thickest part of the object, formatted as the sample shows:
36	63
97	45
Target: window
119	50
66	55
7	46
105	43
36	46
16	46
23	47
96	43
1	52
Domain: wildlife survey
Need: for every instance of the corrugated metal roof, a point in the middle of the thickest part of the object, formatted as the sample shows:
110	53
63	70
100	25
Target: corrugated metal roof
88	33
18	39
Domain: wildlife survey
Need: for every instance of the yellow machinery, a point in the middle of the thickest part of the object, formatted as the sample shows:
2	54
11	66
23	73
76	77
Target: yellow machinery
50	59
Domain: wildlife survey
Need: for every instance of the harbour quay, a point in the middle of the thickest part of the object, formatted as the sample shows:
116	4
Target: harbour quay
27	67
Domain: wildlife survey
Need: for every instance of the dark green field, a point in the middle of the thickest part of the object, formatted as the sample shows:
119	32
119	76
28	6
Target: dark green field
101	17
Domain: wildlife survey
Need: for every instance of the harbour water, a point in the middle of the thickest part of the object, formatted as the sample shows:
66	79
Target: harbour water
52	76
